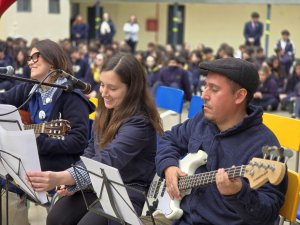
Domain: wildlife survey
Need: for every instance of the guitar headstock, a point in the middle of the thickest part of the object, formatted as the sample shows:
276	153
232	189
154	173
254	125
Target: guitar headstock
260	171
57	128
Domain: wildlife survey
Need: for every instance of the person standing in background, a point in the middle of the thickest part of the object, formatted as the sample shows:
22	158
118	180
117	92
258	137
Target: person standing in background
131	29
253	30
285	49
79	31
107	30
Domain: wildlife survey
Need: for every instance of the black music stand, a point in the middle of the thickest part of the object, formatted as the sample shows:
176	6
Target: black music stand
11	123
111	192
11	161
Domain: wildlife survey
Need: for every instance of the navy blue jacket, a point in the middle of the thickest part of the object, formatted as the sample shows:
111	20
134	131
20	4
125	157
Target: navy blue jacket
81	29
236	146
291	84
174	76
254	33
56	154
107	39
6	84
289	55
269	88
132	152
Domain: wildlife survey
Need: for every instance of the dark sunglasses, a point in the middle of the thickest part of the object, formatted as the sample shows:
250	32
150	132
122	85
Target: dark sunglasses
34	57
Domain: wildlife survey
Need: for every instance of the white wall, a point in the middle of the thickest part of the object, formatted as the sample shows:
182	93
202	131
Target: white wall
38	23
210	24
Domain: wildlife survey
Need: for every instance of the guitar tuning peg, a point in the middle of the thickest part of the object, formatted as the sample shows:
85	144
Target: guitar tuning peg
279	153
287	153
265	151
272	151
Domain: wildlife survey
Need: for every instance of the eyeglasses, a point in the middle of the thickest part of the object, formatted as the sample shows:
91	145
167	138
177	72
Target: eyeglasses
34	57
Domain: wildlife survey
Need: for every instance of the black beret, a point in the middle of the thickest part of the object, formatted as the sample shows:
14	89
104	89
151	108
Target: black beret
240	71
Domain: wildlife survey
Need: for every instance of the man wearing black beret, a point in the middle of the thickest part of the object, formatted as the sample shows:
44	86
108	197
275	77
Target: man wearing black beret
230	132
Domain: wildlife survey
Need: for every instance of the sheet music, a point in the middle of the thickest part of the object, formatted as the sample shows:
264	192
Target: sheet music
2	169
113	174
15	116
22	145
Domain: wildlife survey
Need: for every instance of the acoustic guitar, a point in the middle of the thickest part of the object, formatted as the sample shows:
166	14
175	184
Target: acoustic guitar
54	128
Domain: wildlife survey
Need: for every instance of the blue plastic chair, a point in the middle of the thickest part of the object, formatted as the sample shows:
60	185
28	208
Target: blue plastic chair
171	99
195	106
298	213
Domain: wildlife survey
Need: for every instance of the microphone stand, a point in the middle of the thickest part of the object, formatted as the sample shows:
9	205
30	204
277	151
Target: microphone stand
3	76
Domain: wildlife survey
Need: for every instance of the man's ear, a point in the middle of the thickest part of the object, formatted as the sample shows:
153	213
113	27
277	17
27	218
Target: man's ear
240	95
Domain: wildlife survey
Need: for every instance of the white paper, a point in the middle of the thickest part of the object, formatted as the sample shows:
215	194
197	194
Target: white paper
15	116
113	174
22	145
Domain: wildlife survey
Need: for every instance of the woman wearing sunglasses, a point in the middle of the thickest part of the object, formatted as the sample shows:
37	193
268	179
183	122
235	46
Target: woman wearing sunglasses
50	103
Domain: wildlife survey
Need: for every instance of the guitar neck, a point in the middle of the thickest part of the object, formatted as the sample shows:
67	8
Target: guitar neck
203	179
38	128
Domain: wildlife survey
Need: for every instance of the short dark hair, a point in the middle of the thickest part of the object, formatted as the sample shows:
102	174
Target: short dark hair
207	50
254	15
285	32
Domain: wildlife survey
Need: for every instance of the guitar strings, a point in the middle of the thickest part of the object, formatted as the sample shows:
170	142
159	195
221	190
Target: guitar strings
202	179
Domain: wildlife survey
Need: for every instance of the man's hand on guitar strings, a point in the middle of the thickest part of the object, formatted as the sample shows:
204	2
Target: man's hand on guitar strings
172	174
227	186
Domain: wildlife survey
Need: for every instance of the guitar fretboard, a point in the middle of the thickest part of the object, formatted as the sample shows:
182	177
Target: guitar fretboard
38	128
203	179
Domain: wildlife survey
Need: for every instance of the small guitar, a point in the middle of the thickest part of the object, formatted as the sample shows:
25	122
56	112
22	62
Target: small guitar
258	172
55	128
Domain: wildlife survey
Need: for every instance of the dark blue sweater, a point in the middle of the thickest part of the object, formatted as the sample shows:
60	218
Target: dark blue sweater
132	152
236	146
175	76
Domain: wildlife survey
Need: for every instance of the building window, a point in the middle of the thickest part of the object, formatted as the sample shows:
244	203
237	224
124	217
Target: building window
24	5
54	6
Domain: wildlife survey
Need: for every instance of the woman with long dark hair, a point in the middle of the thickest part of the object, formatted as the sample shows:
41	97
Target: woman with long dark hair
125	137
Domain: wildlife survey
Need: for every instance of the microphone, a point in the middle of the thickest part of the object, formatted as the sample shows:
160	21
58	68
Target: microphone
75	83
8	70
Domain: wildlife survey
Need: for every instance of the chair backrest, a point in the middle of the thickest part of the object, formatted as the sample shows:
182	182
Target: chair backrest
298	213
290	207
95	102
287	131
169	98
195	106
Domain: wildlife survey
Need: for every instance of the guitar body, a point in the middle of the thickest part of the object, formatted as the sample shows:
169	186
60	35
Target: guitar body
159	198
25	117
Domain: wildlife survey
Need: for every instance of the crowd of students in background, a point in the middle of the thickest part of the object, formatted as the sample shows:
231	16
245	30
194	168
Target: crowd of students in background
169	65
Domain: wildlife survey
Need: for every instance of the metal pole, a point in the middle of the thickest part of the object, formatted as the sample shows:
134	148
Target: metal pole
175	24
97	19
157	19
267	31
